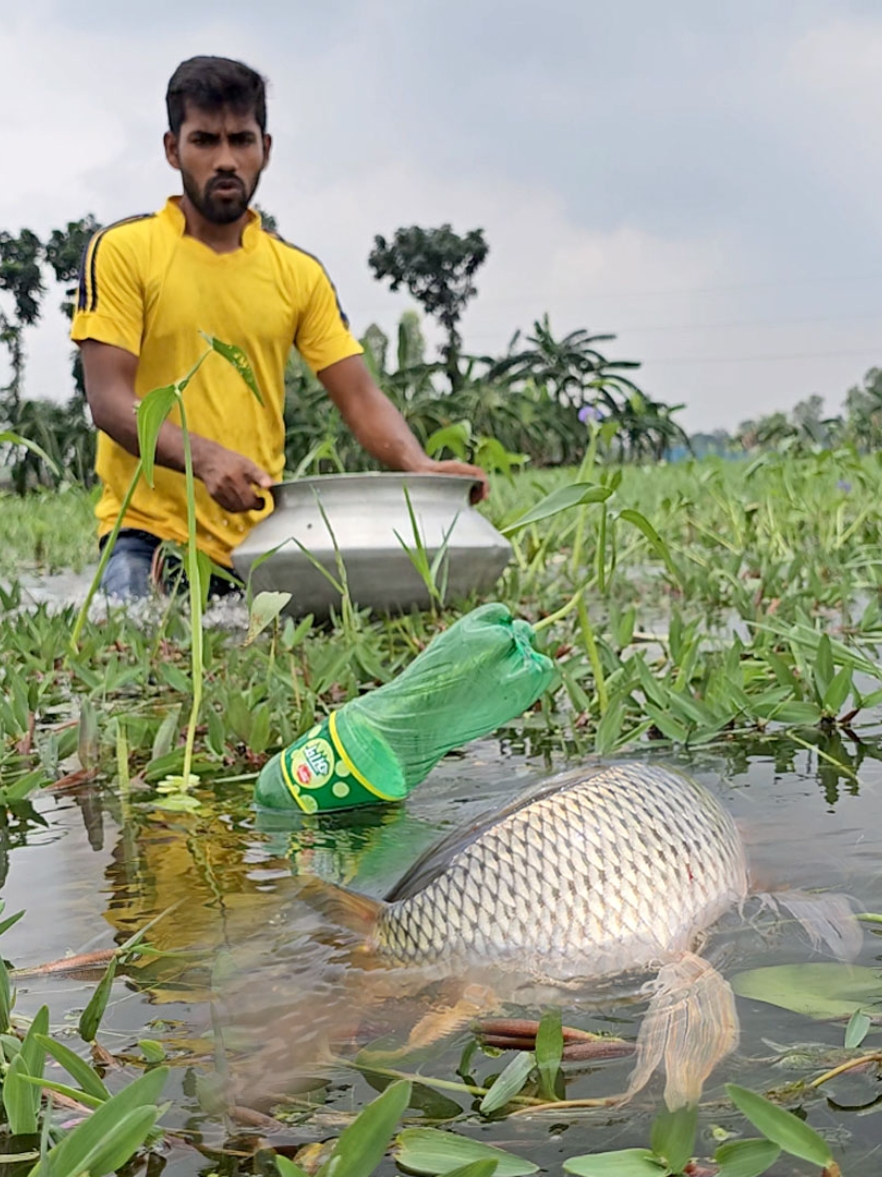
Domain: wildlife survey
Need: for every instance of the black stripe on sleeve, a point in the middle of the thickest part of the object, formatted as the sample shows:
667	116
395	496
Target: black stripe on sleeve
93	273
344	318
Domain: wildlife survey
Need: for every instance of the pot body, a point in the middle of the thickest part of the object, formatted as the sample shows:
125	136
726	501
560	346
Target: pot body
361	514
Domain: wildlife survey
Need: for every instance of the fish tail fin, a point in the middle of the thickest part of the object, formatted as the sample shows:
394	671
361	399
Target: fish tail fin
349	909
827	918
691	1023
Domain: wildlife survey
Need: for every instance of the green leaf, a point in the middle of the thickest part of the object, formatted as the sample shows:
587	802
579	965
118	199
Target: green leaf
823	990
549	1051
153	1052
792	1134
89	1101
5	996
746	1158
18	1099
152	412
363	1144
801	714
165	735
237	357
87	735
119	1143
75	1066
658	545
628	1162
824	668
455	437
673	1136
484	1168
509	1082
838	690
90	1018
30	1061
559	500
429	1151
265	608
288	1168
857	1029
86	1139
10	921
7	437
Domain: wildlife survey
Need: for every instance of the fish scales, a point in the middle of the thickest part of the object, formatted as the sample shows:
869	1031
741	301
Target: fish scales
613	871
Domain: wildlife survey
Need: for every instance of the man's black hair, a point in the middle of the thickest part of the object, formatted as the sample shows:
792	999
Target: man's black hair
211	83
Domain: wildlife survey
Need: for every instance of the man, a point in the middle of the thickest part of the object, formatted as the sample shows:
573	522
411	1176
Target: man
150	284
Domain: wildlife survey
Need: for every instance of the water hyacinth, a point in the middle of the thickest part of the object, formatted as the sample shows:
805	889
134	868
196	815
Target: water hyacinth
590	414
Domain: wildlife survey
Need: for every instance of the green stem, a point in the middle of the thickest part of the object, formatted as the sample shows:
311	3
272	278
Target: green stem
586	469
593	656
102	563
564	610
195	587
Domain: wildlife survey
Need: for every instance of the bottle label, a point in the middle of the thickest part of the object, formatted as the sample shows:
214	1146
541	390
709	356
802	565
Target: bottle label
319	775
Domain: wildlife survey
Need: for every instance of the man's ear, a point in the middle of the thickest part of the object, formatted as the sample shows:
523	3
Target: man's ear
170	142
267	146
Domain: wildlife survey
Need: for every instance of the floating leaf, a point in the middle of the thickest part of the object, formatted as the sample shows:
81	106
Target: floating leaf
153	1052
856	1030
792	1134
823	990
629	1162
509	1083
430	1151
746	1158
559	500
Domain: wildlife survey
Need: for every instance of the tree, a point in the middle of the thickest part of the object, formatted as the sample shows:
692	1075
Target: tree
65	251
438	267
20	276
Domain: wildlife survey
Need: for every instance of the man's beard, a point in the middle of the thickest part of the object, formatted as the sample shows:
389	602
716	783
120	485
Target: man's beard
219	211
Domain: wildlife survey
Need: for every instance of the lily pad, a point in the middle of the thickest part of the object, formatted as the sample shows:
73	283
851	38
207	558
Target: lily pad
821	991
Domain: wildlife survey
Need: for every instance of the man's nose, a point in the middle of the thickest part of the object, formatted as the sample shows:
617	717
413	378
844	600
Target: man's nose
225	160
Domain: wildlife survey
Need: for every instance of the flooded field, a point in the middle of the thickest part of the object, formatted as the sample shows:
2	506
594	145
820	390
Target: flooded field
87	884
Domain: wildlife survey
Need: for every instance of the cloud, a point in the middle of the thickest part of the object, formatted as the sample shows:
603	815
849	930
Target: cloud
701	181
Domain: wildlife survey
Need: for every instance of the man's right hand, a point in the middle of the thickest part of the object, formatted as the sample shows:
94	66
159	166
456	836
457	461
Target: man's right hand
229	477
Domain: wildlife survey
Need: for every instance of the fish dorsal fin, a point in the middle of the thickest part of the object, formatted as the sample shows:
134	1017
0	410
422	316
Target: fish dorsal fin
349	909
437	858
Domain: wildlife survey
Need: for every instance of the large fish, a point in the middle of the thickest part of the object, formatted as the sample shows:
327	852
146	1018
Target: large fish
617	870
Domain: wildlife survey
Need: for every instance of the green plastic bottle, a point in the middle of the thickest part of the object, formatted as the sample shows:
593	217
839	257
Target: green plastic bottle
475	676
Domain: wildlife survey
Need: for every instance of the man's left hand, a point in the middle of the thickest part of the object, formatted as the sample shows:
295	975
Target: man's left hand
452	466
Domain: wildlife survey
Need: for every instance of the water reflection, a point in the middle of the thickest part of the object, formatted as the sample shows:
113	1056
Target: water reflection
811	818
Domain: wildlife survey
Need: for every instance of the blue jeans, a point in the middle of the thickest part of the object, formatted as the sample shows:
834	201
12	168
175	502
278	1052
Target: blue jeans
129	576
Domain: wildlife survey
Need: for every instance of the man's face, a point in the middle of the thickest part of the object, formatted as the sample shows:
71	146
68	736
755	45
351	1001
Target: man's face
220	155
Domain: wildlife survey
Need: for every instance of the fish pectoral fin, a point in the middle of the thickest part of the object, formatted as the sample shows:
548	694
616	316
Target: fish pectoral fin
691	1023
474	1001
827	917
348	909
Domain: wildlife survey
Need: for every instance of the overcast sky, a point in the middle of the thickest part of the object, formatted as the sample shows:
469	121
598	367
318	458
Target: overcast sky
701	179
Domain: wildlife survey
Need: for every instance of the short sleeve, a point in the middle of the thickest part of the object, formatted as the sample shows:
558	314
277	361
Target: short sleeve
110	301
323	336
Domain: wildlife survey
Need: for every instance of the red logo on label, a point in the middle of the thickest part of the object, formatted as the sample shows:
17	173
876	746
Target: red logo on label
303	774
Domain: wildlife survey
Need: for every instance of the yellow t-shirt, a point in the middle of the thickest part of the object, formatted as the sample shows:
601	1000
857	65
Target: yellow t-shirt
150	289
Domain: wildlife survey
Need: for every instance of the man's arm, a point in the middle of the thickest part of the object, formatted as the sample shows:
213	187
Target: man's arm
229	477
380	428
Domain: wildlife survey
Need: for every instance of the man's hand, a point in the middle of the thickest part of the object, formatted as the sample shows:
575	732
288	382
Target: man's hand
381	429
478	492
229	477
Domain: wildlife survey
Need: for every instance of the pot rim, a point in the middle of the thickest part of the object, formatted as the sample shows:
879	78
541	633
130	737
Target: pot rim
388	476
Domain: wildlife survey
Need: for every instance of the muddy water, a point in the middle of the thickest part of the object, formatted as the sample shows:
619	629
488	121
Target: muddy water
87	881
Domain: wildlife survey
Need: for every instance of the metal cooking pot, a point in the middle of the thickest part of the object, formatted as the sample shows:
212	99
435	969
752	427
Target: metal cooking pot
361	514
